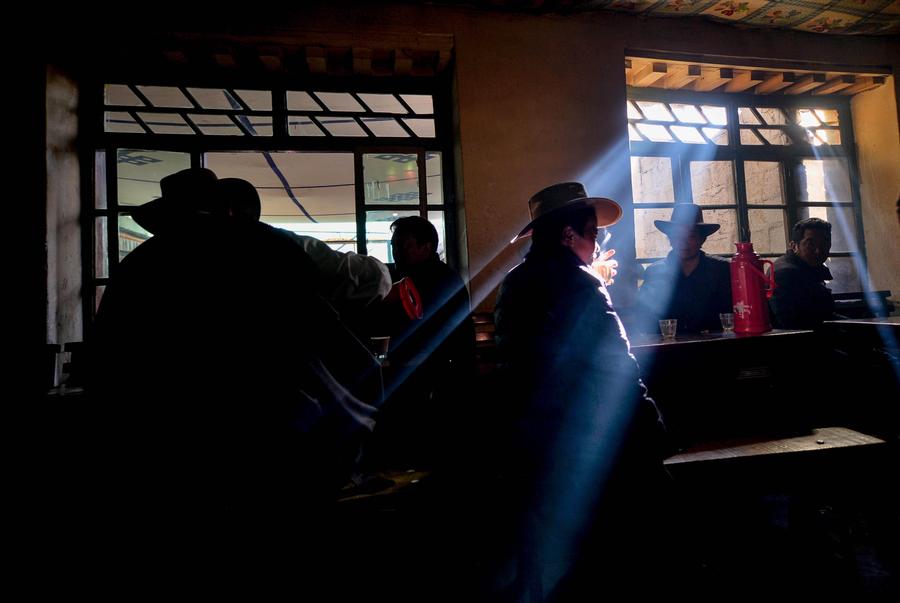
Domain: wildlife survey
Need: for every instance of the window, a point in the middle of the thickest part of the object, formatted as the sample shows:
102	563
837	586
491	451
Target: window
338	165
755	164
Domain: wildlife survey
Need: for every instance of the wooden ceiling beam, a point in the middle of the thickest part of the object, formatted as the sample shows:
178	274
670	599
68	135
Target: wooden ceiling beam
680	76
316	59
775	82
745	80
402	62
836	84
713	78
806	83
362	61
862	84
648	74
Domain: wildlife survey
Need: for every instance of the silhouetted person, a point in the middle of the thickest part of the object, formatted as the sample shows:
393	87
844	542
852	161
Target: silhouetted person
217	416
801	299
586	443
432	358
688	285
349	281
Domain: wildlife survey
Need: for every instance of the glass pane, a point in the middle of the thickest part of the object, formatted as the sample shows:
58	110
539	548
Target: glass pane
749	137
655	133
138	173
829	117
342	126
214	98
843	225
100	180
632	111
391	178
767	230
165	96
258	125
378	232
712	182
434	180
216	125
655	111
773	116
301	101
718	135
303	126
437	218
384	126
421	104
98	296
101	248
821	180
746	116
423	128
382	103
633	133
117	94
688	114
649	241
716	115
130	235
688	134
845	273
257	100
121	122
807	118
339	101
723	240
651	180
166	123
822	136
319	184
762	180
776	137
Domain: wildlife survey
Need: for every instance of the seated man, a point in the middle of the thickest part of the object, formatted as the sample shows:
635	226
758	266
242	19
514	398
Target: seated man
801	299
688	285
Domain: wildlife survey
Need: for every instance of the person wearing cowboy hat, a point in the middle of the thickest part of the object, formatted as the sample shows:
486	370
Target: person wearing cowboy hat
687	285
583	430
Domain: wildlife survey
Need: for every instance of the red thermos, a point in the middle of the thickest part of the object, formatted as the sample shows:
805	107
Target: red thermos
749	291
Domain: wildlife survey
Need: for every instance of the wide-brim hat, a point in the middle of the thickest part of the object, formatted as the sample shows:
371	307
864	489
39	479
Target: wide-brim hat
185	193
687	214
568	196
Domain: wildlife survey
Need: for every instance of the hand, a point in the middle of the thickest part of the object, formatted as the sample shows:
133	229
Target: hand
604	267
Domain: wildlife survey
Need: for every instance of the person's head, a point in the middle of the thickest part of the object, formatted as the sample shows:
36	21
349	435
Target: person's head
186	194
574	229
811	241
240	198
686	230
414	241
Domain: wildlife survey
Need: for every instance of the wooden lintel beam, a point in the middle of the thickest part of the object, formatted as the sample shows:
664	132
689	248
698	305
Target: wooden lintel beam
864	83
836	84
775	82
316	59
806	83
713	78
648	74
744	81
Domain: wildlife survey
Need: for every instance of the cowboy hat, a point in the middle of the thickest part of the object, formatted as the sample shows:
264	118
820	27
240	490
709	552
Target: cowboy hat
567	196
185	193
687	214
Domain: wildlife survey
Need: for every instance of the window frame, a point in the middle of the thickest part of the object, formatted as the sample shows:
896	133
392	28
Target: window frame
789	157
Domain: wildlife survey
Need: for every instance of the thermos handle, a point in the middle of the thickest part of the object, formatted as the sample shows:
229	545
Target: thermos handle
770	278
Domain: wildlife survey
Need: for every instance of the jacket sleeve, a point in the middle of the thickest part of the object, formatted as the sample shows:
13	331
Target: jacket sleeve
347	277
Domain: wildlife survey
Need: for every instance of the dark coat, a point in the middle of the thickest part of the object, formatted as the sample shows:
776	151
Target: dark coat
801	299
694	300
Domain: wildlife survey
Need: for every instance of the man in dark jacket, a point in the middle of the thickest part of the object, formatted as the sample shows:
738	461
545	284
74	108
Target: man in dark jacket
586	442
689	286
801	299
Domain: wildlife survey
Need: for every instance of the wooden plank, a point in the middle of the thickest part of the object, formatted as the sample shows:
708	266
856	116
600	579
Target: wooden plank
713	78
681	75
270	57
775	82
806	83
836	84
648	74
316	59
402	62
224	58
862	84
362	61
744	80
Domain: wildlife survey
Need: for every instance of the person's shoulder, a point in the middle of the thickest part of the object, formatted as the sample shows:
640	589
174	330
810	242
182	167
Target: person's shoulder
656	268
718	261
